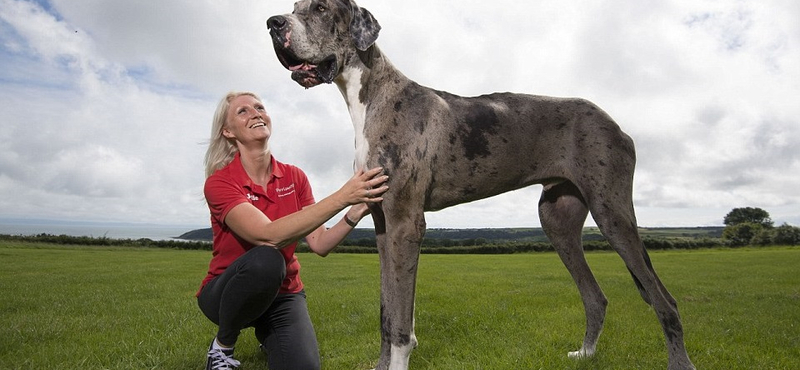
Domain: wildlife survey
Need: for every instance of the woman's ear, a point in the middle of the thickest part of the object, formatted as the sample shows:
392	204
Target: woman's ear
227	134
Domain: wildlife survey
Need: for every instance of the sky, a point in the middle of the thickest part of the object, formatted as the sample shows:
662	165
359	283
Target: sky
106	105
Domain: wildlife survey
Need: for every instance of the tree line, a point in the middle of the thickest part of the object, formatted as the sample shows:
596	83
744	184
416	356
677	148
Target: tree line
743	226
107	242
364	245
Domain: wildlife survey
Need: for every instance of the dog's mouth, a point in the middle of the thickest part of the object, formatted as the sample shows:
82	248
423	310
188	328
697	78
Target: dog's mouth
306	73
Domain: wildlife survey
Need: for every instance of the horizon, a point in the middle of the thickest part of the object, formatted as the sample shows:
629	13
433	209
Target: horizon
79	223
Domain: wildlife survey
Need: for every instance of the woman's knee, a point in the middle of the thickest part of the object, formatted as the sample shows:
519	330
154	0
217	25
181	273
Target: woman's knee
266	263
298	359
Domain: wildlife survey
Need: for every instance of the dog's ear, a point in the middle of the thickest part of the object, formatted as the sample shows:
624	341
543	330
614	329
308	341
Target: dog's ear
363	27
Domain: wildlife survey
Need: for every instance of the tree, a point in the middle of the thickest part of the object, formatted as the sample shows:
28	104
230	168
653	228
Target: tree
786	235
741	234
764	236
748	214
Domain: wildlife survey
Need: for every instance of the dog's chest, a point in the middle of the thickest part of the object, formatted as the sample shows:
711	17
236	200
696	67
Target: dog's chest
358	112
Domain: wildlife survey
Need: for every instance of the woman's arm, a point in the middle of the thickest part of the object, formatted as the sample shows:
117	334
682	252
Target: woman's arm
250	224
323	240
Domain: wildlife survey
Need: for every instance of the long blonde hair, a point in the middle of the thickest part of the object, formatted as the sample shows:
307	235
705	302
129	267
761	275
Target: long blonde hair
221	150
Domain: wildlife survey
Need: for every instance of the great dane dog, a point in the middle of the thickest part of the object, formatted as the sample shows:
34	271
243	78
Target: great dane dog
441	150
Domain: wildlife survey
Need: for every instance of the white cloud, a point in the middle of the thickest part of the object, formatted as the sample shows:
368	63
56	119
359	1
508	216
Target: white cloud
94	171
107	104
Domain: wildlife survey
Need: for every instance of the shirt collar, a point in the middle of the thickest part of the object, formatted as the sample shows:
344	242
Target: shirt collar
237	170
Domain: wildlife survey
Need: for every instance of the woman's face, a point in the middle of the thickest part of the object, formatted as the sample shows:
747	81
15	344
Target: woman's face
247	120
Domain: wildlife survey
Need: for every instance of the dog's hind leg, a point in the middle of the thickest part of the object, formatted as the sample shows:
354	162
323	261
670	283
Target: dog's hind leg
641	288
618	223
563	211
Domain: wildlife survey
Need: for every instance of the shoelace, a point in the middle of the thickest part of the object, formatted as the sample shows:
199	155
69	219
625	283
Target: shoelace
221	361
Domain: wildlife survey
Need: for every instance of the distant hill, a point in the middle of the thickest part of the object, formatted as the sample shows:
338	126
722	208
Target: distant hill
199	234
510	234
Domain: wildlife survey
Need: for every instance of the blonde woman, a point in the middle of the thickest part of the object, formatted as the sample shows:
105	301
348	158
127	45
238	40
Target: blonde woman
260	208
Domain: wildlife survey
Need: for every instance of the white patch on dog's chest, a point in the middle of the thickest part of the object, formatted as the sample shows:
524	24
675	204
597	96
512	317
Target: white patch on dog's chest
358	113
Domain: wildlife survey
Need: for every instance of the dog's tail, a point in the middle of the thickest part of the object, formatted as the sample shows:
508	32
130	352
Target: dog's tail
642	291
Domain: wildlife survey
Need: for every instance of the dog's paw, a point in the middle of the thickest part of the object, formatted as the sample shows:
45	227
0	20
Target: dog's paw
581	353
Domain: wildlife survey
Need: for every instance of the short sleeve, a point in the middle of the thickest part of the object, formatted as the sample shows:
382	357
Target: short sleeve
305	195
222	194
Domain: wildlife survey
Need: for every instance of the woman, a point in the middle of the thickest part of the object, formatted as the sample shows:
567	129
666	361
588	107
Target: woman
260	208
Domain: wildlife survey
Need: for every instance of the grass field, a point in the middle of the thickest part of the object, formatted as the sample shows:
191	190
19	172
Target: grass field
94	308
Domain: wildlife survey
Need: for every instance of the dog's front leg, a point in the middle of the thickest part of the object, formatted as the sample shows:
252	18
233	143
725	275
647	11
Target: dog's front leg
399	247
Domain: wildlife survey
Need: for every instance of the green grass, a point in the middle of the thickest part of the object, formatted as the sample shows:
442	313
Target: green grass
118	308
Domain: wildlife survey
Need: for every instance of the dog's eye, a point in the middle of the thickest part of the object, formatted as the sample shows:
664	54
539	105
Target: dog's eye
321	8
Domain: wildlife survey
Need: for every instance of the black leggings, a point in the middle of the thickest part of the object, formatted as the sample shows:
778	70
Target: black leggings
246	295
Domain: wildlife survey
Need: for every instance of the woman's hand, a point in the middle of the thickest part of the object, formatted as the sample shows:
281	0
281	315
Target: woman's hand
364	187
356	213
361	189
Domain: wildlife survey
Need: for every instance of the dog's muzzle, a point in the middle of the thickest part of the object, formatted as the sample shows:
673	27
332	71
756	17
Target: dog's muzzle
307	73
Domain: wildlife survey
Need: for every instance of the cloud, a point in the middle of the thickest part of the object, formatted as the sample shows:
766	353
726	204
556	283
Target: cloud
107	104
95	171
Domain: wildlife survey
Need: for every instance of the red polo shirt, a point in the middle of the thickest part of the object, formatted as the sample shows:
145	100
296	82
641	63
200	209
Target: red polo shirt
288	191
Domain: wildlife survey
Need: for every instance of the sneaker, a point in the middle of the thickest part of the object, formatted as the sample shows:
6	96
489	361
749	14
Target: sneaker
220	359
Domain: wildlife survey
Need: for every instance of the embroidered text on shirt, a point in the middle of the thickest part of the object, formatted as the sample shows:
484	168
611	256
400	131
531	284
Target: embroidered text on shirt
282	192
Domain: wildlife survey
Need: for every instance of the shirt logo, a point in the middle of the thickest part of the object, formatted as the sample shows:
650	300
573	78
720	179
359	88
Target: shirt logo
282	192
252	197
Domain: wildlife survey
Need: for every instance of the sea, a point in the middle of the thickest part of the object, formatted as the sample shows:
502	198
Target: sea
94	229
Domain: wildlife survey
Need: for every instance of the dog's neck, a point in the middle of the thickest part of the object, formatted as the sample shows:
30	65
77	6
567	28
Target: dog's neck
366	68
363	70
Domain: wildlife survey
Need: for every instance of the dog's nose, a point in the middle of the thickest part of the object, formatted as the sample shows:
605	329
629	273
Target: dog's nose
276	23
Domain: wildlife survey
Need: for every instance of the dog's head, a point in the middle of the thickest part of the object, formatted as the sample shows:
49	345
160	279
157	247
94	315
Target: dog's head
316	39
